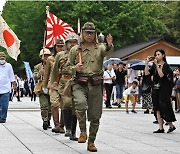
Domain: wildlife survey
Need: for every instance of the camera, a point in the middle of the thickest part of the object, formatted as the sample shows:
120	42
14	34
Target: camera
151	58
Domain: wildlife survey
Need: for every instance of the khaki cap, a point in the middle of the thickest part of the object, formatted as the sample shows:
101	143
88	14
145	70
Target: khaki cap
89	27
59	42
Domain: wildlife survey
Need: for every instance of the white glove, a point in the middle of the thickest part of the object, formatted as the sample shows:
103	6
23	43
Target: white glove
45	90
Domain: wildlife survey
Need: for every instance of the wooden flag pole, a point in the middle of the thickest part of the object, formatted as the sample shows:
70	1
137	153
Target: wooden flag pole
79	42
45	32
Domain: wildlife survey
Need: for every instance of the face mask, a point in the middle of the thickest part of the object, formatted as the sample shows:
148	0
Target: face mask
2	62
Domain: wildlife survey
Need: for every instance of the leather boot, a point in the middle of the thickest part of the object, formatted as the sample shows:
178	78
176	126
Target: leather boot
44	115
82	138
61	128
55	114
67	113
73	128
91	147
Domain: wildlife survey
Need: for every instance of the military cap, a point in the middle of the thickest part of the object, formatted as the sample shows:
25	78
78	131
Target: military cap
71	36
89	27
2	55
59	42
44	51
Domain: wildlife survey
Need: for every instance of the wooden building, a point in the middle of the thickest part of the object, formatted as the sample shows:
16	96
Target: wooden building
142	50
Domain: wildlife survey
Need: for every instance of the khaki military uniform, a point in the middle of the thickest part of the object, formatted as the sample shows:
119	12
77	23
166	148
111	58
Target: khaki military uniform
44	99
60	66
88	97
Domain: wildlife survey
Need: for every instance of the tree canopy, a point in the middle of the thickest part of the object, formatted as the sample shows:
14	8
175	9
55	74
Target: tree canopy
128	22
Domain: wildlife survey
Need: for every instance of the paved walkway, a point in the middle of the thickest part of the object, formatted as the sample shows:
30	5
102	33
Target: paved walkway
119	133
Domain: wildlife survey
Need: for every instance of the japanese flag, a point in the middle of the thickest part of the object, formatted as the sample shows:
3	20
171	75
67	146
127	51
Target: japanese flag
9	40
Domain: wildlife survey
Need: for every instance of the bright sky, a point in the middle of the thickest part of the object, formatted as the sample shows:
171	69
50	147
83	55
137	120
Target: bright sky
2	3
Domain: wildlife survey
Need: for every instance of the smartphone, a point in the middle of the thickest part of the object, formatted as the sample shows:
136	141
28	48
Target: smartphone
151	58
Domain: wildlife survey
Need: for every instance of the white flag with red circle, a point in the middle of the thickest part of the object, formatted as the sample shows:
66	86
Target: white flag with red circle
56	29
9	40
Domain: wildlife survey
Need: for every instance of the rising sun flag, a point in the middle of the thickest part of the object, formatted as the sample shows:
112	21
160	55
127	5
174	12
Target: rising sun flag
56	29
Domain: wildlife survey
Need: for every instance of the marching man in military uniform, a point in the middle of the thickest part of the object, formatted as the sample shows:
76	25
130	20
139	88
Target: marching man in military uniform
54	95
44	99
86	64
60	66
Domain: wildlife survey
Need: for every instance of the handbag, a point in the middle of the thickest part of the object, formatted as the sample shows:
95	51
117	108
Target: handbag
38	88
114	82
146	88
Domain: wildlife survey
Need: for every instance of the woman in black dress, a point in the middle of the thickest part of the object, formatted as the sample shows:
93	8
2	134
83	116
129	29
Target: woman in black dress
162	89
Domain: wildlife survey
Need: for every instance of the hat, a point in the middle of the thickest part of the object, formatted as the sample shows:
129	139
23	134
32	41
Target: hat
44	51
59	42
71	36
89	27
2	55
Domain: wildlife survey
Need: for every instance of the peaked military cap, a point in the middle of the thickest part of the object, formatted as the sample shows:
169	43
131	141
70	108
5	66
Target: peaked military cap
59	42
89	27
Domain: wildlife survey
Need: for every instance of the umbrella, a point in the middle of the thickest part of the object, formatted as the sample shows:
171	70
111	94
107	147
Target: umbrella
139	66
112	61
107	62
115	60
133	61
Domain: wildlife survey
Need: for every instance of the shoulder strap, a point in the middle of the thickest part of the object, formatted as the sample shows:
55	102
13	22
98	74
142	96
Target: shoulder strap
108	73
93	56
62	64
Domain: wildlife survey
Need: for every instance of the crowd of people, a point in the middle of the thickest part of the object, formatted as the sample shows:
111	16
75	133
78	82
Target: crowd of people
120	77
24	88
72	79
157	86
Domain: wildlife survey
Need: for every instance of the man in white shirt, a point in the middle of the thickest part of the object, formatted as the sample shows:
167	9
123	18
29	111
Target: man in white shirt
109	76
131	94
6	78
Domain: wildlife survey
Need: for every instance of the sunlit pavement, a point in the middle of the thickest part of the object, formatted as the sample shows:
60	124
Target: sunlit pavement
118	133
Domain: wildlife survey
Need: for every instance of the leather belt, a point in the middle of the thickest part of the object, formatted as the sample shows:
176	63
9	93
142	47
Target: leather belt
67	76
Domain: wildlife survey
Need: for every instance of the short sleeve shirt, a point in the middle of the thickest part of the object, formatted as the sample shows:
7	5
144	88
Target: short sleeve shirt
130	91
6	77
